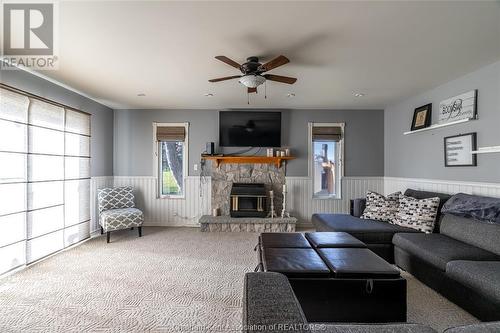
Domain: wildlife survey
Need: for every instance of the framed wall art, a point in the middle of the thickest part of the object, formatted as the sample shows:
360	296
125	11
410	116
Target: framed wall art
422	117
458	150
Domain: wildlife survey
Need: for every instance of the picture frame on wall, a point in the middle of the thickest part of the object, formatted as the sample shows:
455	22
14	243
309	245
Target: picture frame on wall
422	117
463	106
458	150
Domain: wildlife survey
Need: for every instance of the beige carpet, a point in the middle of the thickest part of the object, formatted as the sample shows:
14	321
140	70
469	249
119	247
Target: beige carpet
170	280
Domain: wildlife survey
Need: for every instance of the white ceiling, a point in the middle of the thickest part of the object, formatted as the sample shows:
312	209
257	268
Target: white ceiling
387	50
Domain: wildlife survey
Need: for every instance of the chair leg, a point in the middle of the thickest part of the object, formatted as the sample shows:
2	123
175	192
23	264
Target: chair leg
102	231
107	236
140	231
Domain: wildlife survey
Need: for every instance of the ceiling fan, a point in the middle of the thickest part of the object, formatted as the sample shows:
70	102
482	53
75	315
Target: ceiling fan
253	72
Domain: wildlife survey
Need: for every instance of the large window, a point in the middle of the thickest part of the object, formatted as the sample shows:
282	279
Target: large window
171	150
326	156
44	178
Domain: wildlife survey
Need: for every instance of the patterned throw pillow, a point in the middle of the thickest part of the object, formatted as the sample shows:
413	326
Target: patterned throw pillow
417	214
381	208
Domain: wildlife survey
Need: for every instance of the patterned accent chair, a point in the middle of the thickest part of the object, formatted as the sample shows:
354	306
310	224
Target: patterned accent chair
117	210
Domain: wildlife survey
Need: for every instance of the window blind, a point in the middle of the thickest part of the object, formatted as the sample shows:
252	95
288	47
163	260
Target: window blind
44	179
170	133
326	133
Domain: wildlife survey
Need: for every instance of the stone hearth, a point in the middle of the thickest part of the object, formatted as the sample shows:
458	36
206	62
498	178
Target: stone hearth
246	224
226	174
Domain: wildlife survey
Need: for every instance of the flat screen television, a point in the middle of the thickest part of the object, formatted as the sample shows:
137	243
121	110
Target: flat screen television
249	129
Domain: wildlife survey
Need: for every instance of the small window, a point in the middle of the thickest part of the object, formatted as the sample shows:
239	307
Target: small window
171	141
326	156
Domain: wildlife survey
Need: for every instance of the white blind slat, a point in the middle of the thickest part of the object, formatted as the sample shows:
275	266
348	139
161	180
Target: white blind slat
46	115
13	106
13	137
45	194
77	122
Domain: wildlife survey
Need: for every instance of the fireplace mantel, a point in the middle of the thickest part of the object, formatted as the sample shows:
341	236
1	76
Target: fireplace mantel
248	159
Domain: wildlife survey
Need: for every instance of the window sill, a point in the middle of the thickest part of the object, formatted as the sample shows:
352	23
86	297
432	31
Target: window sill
326	198
175	197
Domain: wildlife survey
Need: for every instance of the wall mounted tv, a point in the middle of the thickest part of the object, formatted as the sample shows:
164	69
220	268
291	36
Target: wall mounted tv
249	129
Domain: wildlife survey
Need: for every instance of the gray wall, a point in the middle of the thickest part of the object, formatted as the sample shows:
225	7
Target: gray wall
364	143
421	155
101	121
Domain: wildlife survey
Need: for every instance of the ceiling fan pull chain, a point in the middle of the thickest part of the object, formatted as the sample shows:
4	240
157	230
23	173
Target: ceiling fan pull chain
248	98
265	89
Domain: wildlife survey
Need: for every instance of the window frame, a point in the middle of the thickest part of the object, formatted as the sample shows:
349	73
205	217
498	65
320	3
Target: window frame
157	161
339	153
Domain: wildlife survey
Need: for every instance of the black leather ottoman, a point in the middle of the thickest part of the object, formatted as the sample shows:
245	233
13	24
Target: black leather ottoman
333	240
301	263
283	239
364	288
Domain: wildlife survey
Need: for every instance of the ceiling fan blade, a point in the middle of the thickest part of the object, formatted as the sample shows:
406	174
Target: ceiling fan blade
228	61
252	90
279	78
276	62
225	78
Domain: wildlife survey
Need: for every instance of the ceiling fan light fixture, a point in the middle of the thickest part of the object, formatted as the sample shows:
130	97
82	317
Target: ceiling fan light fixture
252	81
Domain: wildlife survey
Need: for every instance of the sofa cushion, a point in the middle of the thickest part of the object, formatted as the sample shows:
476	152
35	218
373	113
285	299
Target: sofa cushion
118	219
438	249
419	214
381	208
478	233
367	231
424	195
482	276
115	198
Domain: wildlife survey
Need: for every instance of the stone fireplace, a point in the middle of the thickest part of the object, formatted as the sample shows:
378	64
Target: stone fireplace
224	176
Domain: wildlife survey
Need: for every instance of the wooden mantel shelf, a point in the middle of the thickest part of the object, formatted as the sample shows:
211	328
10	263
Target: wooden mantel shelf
248	159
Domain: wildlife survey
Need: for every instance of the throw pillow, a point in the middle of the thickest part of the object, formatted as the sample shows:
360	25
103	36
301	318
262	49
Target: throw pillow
381	208
419	214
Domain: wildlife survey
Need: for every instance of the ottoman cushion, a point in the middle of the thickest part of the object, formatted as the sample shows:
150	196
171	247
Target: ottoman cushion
283	239
294	262
333	239
357	263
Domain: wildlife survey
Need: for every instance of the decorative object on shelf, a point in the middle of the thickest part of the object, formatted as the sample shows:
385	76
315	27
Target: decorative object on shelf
422	117
272	212
215	212
287	152
270	152
458	150
284	213
463	106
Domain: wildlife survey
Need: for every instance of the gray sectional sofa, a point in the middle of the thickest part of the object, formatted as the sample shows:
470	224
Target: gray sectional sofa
460	260
270	305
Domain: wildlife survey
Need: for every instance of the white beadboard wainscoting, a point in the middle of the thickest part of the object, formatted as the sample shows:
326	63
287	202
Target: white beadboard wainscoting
186	211
301	205
160	212
393	184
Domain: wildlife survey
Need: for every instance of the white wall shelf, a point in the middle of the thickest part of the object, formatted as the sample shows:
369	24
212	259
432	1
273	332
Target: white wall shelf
487	150
435	126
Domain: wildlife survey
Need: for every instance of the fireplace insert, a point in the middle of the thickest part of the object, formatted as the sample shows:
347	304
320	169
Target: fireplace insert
248	200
